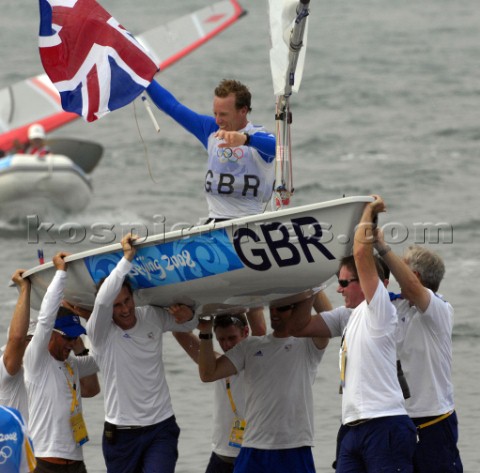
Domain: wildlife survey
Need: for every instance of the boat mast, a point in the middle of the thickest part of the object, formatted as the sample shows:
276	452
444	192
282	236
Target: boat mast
283	188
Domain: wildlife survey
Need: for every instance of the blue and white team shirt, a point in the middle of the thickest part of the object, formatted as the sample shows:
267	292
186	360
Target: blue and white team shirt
16	451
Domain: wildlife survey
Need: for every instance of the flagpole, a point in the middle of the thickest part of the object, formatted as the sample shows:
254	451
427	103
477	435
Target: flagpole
149	111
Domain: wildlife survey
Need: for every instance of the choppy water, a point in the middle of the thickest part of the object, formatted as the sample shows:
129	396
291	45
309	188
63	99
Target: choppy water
389	104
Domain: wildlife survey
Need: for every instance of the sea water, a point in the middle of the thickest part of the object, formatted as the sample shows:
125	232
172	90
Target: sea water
389	104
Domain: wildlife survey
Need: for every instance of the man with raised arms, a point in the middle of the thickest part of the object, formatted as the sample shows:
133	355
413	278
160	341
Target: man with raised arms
12	385
425	350
376	434
229	393
52	379
240	169
141	433
279	371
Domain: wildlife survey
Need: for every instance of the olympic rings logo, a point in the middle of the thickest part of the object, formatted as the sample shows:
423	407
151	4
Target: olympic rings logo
229	154
5	454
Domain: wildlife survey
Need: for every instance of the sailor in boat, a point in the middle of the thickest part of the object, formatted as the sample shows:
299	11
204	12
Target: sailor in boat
229	397
240	169
37	141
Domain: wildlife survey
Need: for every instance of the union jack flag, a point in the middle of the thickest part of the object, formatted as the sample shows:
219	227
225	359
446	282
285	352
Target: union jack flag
93	61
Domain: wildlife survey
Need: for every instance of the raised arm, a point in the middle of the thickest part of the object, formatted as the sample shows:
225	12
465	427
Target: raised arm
210	367
101	317
410	284
303	324
363	248
89	384
17	335
38	347
201	126
256	320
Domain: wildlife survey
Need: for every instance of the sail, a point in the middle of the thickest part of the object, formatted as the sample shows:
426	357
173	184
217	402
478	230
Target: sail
35	100
287	54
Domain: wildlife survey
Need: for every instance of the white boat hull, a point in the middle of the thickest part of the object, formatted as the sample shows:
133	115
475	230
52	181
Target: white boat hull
32	185
239	263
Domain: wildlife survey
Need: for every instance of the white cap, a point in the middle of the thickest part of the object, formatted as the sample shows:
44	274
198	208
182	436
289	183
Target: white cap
36	131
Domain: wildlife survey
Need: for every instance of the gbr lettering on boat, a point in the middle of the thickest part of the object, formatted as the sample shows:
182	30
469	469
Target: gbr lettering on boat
273	242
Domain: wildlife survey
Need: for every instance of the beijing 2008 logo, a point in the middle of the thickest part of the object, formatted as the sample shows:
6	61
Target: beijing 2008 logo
229	154
5	454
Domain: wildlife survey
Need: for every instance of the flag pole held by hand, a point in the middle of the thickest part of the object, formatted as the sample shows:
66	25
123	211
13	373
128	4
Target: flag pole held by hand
149	111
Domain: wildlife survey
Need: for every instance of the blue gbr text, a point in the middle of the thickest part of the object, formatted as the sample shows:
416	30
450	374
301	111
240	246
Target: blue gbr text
273	242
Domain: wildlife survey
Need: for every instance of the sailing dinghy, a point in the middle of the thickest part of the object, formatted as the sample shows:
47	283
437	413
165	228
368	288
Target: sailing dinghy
232	265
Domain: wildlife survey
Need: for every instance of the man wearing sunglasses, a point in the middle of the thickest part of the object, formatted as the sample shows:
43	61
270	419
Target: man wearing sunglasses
373	407
229	397
52	379
279	371
425	348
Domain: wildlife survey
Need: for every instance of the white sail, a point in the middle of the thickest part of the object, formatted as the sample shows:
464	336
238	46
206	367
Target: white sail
283	14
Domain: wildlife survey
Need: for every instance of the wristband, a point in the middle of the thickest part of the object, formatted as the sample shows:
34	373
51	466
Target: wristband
247	141
205	336
384	251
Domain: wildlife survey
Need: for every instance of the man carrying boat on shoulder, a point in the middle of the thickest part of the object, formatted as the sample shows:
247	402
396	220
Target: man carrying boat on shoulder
12	384
376	432
53	380
279	371
229	393
141	433
424	345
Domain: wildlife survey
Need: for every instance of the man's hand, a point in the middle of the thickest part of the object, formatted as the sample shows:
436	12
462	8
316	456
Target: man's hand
83	313
230	138
127	246
377	206
182	313
19	280
59	260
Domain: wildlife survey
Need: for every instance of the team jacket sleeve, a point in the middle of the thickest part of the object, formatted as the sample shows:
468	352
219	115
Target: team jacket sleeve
201	126
264	143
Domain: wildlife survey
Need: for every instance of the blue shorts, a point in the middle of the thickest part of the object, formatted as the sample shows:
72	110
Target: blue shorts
153	448
437	447
254	460
386	444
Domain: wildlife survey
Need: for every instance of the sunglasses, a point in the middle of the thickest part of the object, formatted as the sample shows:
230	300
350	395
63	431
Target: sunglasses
65	337
227	320
346	282
284	308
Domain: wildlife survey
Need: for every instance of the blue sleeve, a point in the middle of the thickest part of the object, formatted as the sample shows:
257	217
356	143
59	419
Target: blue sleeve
201	126
265	144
